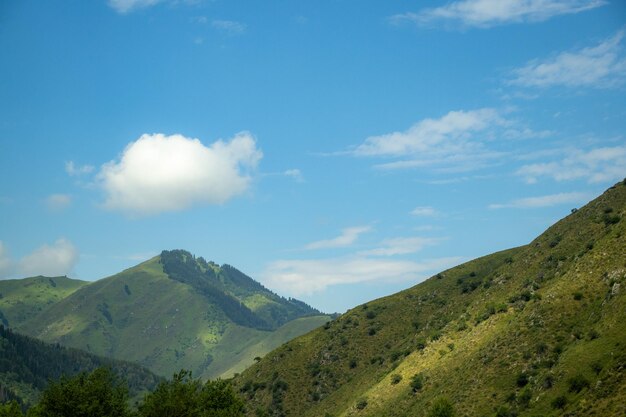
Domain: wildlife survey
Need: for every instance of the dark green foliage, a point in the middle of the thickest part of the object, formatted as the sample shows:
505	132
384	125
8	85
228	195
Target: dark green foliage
578	296
504	411
182	266
442	407
35	363
395	379
222	285
522	380
184	396
85	395
417	382
577	383
361	403
11	409
559	402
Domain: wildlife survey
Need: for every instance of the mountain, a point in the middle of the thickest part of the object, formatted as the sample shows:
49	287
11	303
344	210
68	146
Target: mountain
174	311
27	364
22	299
538	330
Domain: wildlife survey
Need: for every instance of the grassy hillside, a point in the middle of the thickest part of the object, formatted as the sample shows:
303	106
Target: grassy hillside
26	366
167	321
21	299
538	330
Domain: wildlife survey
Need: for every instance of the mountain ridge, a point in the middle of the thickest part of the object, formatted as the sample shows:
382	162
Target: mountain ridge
533	330
171	312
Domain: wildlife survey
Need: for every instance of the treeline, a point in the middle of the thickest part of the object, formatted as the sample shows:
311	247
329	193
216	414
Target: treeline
181	266
222	285
103	394
30	362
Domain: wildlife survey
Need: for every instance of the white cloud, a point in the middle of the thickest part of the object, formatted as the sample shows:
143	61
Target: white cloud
6	265
425	211
126	6
58	202
544	201
488	13
159	173
73	170
401	246
302	277
451	142
603	65
348	237
597	165
50	260
295	174
229	27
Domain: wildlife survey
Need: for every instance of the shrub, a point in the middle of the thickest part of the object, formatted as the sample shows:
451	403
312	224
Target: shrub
361	403
442	407
559	402
577	383
522	380
395	379
417	382
353	363
578	296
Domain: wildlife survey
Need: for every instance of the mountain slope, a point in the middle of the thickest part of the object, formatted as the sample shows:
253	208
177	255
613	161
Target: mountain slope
26	366
21	299
535	330
171	312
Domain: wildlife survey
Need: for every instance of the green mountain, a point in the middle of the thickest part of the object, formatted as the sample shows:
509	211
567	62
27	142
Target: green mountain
22	299
538	330
174	311
27	364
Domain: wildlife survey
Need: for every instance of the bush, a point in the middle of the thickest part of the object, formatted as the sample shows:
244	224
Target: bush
522	380
395	379
578	296
442	407
417	382
577	383
559	402
361	403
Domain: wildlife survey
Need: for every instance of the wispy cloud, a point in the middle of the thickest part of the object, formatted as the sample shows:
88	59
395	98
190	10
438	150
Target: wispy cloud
401	246
294	174
6	264
544	201
58	202
127	6
453	143
74	170
488	13
50	260
301	277
425	211
603	65
346	238
595	165
229	27
159	173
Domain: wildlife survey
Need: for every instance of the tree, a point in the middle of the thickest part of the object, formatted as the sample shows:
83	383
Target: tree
11	409
184	396
84	395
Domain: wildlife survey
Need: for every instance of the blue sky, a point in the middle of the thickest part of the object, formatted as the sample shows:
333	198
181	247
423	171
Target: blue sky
336	150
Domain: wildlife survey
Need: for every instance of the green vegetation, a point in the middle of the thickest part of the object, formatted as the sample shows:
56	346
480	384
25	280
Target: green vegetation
26	366
23	299
531	331
172	312
102	394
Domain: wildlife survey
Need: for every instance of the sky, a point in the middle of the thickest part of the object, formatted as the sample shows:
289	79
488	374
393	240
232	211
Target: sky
335	150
